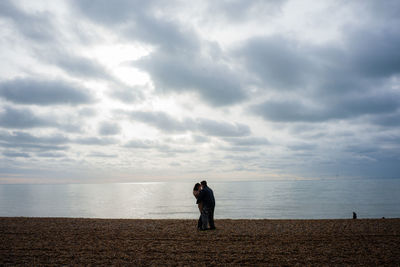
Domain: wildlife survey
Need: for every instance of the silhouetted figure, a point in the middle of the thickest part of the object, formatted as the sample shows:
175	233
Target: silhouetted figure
354	215
196	192
206	196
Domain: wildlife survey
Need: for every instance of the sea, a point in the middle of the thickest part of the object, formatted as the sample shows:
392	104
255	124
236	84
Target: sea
297	199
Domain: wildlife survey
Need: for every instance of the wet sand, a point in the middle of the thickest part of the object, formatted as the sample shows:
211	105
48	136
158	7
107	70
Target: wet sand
62	241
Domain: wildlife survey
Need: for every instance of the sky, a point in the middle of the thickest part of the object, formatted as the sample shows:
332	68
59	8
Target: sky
128	90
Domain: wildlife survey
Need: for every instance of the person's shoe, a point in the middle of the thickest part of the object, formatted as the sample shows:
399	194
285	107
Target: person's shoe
203	229
213	228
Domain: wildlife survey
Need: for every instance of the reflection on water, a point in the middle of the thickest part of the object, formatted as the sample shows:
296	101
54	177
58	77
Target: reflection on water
267	199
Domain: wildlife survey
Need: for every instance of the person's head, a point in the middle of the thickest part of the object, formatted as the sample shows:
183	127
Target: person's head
196	187
203	183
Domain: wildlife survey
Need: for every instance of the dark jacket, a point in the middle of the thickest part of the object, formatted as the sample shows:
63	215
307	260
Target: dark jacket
206	196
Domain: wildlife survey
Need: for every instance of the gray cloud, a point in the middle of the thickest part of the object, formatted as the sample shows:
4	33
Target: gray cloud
215	128
242	158
186	72
237	11
47	42
22	119
201	139
380	58
46	145
177	64
361	149
87	112
389	120
166	34
391	141
71	126
26	118
283	63
157	146
136	20
26	141
369	104
167	123
287	111
109	128
162	121
127	94
280	63
313	88
11	154
76	65
41	92
238	148
51	155
118	12
36	26
248	141
326	82
24	137
95	141
36	147
141	144
302	146
102	155
343	108
173	150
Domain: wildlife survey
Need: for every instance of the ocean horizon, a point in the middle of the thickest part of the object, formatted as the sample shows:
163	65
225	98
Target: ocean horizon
287	199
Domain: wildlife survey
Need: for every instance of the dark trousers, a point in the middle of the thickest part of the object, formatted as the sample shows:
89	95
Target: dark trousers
207	218
211	218
199	223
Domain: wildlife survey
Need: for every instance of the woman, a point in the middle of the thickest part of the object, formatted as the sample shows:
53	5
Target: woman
196	191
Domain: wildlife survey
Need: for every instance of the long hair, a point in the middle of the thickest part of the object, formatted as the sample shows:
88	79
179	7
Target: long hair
196	187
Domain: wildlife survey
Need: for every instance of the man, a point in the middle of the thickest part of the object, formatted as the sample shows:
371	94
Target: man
206	197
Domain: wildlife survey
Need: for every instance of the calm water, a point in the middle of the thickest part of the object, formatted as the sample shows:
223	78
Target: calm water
267	199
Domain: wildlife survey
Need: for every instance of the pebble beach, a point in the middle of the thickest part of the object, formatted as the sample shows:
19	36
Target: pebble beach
122	242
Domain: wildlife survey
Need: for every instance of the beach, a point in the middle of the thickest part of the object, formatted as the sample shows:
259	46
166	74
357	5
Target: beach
76	241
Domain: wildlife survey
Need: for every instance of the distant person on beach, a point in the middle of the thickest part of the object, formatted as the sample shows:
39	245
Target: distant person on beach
196	191
206	197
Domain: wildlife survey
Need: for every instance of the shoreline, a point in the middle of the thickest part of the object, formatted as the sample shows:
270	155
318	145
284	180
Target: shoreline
188	219
184	219
176	242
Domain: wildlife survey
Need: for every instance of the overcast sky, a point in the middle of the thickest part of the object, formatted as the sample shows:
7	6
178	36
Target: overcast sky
124	91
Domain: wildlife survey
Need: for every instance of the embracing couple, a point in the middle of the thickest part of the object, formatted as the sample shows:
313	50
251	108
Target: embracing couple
206	203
